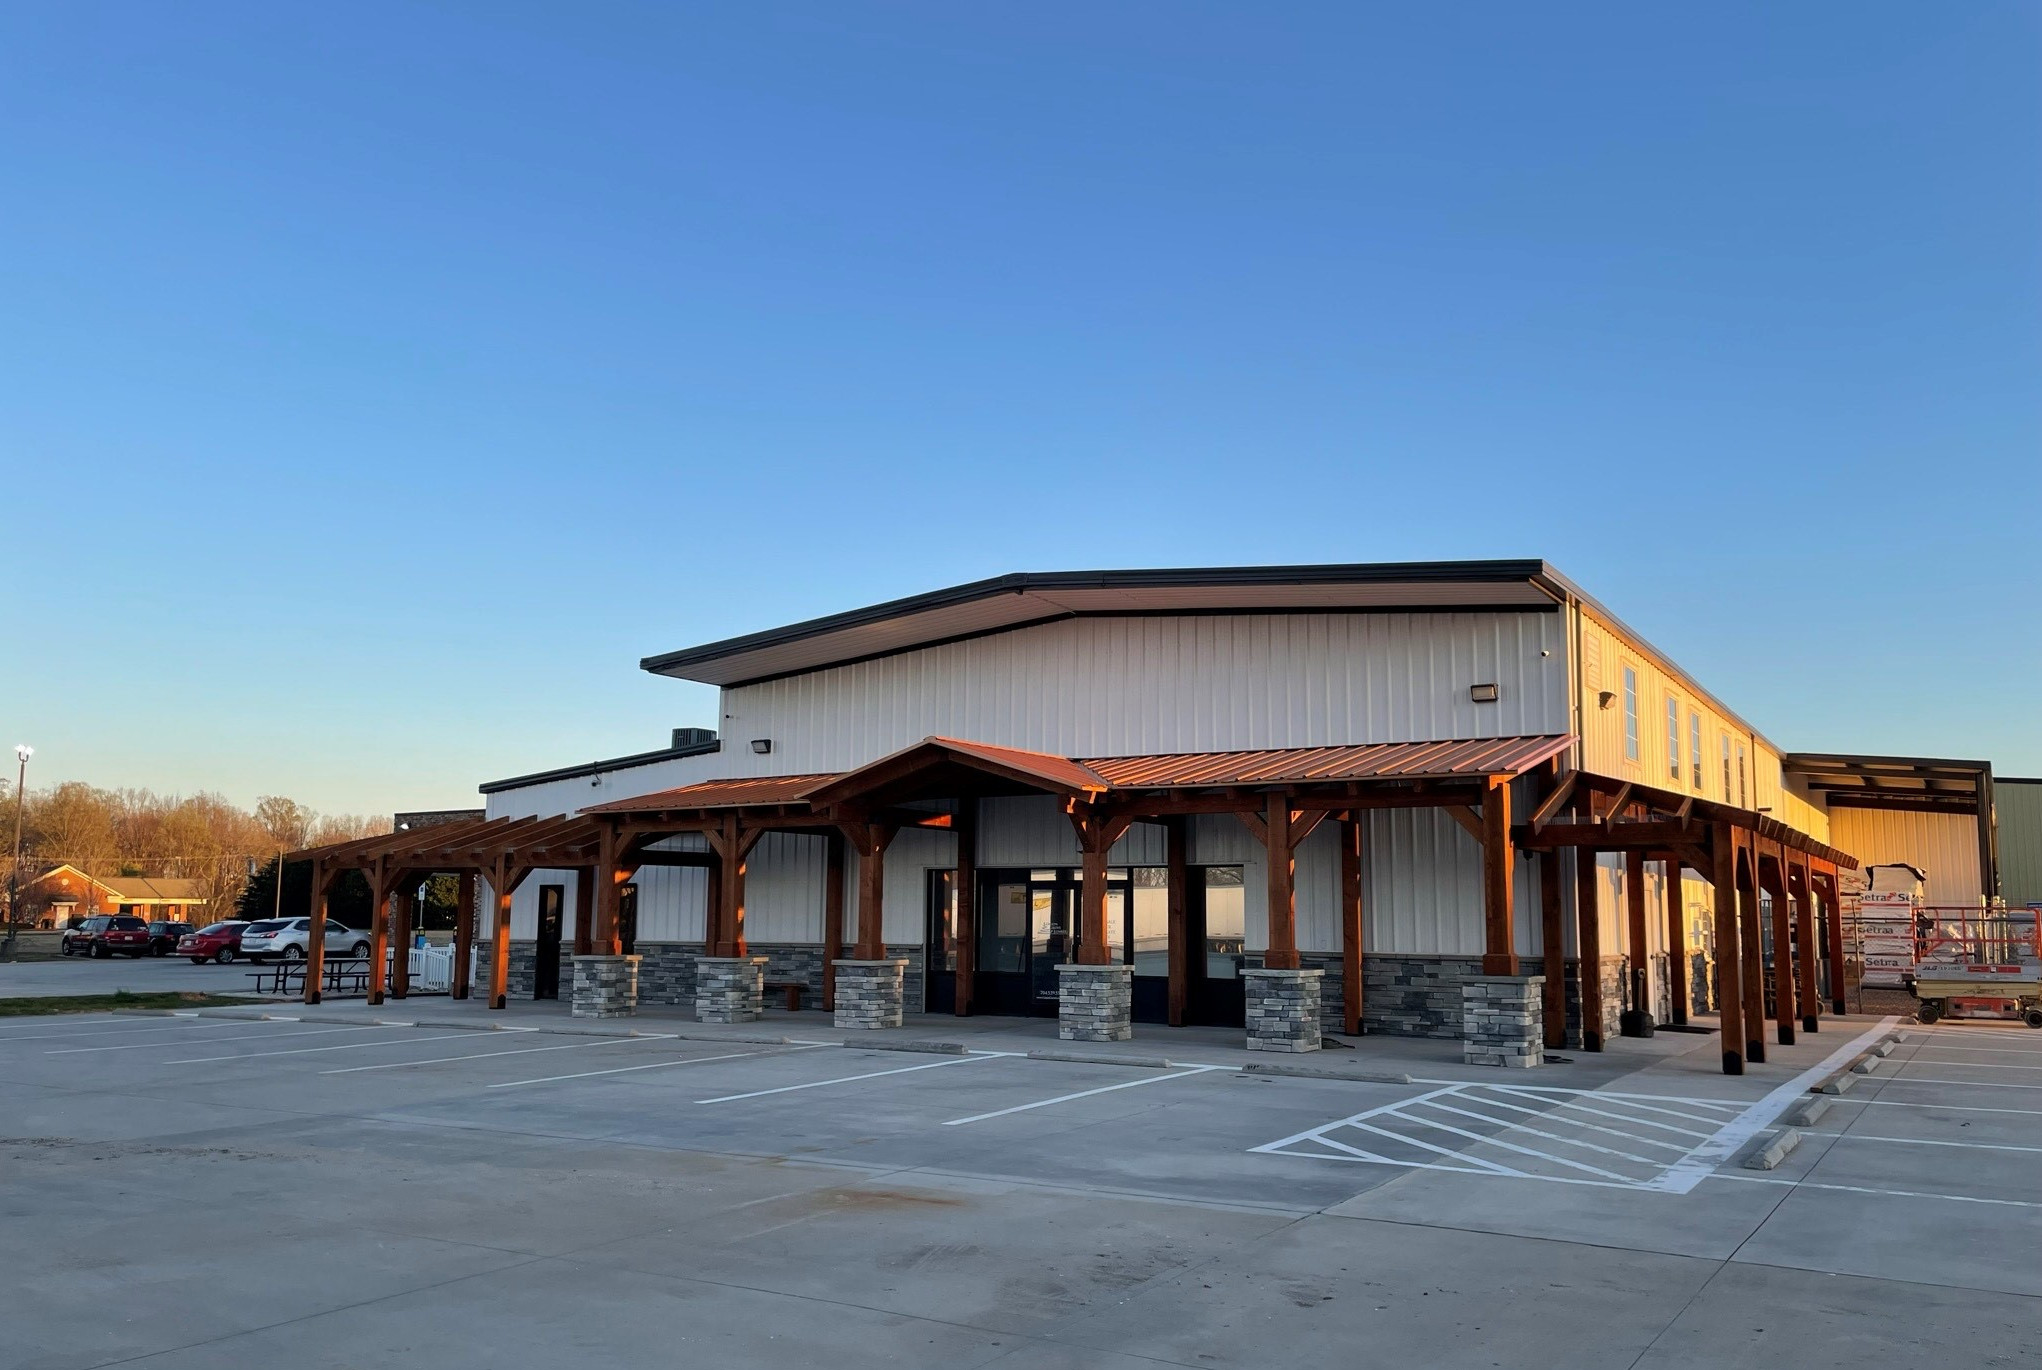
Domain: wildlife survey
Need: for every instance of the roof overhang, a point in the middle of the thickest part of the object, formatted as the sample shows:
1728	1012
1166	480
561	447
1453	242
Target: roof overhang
1910	783
1027	598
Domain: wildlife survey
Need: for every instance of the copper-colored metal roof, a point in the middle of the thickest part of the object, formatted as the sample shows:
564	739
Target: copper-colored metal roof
1061	772
739	793
1364	761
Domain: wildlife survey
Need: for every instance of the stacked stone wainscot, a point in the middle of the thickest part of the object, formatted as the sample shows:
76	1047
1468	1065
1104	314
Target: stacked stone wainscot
1095	1003
869	993
1502	1020
1283	1009
729	989
605	986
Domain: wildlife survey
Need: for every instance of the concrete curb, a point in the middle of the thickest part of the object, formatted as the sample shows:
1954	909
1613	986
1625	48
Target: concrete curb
1100	1058
1359	1077
1769	1155
1840	1083
932	1048
1865	1064
1884	1048
1805	1113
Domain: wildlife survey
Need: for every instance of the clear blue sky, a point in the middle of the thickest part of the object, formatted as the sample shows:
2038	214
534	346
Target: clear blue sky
379	382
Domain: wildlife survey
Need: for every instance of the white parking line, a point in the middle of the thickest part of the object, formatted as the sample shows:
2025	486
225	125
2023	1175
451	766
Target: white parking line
1868	1189
1080	1094
97	1032
179	1045
1987	1051
1947	1108
305	1051
655	1065
1967	1065
868	1075
514	1051
1925	1141
1965	1084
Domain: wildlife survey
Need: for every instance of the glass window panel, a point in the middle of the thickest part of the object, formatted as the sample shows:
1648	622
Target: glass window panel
1151	925
1003	924
1225	922
943	918
1116	923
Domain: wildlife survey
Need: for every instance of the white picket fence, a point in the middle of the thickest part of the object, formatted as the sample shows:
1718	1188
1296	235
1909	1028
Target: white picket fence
432	969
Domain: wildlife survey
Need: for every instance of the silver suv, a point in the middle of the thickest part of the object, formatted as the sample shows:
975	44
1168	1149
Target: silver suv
289	938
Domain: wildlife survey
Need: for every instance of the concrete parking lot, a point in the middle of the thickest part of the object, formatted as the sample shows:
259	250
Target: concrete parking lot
330	1190
148	975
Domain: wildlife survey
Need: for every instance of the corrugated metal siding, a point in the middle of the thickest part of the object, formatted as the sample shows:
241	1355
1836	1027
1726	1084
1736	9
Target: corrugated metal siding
1945	845
2020	839
1118	687
1605	653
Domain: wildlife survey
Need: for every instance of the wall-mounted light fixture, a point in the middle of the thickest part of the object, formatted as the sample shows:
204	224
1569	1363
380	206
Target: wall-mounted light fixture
1605	698
762	745
1482	694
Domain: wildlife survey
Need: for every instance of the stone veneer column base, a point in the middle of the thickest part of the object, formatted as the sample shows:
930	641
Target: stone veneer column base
869	993
1503	1020
730	989
1283	1009
1095	1003
605	986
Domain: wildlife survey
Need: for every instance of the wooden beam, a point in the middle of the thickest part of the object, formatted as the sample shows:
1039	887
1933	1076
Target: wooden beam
1468	819
400	939
1729	974
1619	802
1257	829
502	885
379	930
1832	913
1555	801
1806	991
1499	913
1751	956
1305	822
871	840
584	910
1784	1009
1353	967
1645	835
1177	912
1281	953
832	915
965	933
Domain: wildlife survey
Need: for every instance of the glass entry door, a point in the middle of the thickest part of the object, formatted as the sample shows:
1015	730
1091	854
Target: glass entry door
1027	927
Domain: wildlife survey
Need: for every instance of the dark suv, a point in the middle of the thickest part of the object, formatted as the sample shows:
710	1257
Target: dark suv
163	937
103	934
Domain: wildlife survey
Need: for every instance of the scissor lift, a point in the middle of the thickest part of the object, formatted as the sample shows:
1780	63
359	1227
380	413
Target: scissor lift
1978	963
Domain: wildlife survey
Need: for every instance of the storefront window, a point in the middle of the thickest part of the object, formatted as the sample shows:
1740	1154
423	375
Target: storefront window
1151	889
1225	922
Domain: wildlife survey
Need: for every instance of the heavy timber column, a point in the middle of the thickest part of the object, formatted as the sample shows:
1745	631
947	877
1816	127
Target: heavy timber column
400	936
500	891
1807	991
832	916
1729	978
869	986
1177	900
1832	912
1588	945
315	943
379	933
1352	926
1499	916
1553	950
1282	997
964	930
1637	1020
1751	954
1676	943
1095	994
730	983
1784	1011
464	935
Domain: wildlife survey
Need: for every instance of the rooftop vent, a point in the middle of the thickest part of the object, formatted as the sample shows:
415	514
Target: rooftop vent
693	737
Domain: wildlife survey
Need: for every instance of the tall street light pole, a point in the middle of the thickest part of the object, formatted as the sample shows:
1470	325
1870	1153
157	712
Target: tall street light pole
21	753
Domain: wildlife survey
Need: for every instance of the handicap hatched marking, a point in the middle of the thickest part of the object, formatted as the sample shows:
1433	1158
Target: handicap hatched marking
1537	1132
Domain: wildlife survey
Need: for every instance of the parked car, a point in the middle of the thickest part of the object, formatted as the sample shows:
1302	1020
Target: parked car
163	937
289	937
218	942
103	934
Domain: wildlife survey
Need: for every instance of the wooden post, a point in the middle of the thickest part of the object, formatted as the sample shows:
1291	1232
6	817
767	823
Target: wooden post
585	911
1588	944
1729	978
872	840
1784	1010
1553	950
1353	929
1177	897
1832	908
1499	914
832	916
1281	950
1751	954
315	945
964	931
500	890
1093	943
712	902
1638	1021
1807	990
464	935
614	869
1676	941
733	850
400	935
379	929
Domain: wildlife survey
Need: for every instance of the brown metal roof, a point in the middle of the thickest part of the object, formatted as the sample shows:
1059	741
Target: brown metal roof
740	793
1365	761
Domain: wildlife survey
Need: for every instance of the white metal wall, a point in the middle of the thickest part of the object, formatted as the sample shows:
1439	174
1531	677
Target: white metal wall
1943	844
1129	686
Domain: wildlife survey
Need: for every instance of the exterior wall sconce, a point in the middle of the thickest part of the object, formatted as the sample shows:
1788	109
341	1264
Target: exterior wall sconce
1605	698
762	745
1482	694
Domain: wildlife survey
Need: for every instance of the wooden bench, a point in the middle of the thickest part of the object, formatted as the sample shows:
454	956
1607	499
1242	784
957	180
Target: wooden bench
343	974
792	989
